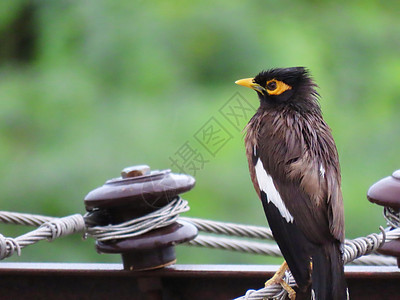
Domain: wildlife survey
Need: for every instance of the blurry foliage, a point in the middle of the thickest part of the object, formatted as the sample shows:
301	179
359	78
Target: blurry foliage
108	84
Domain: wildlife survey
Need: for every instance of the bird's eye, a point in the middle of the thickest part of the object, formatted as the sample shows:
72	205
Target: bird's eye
271	85
277	87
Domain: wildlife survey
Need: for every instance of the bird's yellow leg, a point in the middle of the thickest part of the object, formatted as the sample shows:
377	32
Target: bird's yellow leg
278	279
289	289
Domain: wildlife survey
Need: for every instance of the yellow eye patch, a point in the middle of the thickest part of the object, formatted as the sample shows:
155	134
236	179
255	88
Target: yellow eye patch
276	87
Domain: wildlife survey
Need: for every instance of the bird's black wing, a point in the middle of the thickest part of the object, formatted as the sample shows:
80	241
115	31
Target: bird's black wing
300	157
294	246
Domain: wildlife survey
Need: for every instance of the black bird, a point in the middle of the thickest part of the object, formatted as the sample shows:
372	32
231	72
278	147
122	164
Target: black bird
295	170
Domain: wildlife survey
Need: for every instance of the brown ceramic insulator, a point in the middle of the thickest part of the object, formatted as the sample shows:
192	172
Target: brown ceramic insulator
391	248
386	192
153	249
136	193
130	197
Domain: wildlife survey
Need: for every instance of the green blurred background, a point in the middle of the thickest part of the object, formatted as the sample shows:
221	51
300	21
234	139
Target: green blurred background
90	87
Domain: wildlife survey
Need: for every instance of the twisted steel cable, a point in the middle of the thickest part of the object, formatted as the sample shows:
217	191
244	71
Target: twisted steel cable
48	230
355	251
231	229
7	217
157	219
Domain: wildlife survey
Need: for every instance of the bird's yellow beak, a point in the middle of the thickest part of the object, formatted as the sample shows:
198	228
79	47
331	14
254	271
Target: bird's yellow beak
248	82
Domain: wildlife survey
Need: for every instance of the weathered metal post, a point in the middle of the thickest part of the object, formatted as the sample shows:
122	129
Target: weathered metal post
386	192
136	193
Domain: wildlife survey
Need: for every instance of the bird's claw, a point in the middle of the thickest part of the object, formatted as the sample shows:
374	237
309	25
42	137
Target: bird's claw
291	292
278	279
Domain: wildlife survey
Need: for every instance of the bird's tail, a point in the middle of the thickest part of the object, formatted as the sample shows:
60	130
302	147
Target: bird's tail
328	282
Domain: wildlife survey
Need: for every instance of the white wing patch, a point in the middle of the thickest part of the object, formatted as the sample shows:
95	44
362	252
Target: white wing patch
322	170
266	184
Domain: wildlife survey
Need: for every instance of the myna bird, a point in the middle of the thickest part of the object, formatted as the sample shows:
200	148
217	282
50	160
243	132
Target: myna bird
295	170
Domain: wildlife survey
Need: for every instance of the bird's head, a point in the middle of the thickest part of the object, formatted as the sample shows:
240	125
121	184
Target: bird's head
283	87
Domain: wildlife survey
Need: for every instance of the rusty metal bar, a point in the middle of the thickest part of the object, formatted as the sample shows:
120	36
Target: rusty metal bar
111	281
